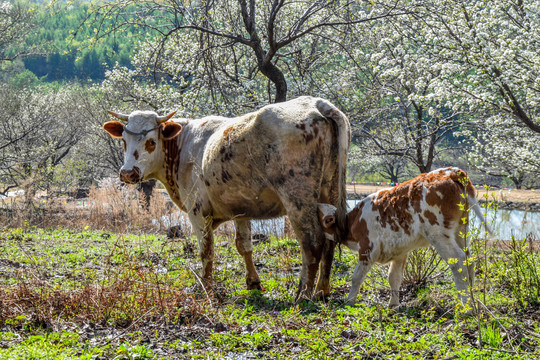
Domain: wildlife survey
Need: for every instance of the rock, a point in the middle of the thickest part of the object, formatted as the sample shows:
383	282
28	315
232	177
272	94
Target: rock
175	232
260	238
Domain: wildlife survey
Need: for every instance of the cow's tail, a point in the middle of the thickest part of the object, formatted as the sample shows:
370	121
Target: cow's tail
341	123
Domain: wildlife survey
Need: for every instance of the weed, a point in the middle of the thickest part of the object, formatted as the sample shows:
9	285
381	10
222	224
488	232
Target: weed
523	276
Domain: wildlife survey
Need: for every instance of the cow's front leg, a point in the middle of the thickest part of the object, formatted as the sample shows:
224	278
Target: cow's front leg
203	231
245	248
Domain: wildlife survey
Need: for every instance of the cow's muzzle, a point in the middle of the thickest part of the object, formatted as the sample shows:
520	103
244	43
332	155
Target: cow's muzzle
130	176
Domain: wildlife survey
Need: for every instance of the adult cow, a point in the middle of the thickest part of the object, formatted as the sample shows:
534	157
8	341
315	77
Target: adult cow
280	160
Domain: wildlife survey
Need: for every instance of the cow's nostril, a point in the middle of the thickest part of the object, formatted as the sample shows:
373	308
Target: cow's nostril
130	176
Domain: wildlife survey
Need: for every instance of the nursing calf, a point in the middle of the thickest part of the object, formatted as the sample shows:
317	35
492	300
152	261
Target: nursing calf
429	210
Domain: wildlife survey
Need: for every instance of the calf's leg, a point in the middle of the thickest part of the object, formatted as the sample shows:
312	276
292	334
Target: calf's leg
395	277
463	243
359	274
456	258
245	248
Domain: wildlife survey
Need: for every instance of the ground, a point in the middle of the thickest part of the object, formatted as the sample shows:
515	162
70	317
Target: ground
94	294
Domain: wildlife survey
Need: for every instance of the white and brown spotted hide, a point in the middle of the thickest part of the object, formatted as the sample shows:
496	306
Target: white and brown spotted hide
429	210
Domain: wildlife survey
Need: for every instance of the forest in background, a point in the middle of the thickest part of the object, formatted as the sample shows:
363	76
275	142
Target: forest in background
67	50
424	83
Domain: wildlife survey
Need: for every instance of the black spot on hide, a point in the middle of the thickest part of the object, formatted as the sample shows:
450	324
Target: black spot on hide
225	176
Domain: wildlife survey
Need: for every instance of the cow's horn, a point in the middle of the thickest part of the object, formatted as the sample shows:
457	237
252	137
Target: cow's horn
161	119
119	116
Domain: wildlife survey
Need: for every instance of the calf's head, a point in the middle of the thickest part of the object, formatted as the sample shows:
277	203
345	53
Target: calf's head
143	136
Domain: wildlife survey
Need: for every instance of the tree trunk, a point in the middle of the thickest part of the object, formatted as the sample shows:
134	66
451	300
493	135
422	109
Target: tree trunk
275	75
518	181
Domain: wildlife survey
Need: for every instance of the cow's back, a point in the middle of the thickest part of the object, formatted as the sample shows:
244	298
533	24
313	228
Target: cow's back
250	160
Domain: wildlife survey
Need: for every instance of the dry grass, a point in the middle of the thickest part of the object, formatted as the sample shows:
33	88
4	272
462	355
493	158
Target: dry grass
110	206
114	207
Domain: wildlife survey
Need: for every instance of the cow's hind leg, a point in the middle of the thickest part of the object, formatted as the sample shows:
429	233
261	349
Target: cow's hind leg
245	248
325	268
457	260
395	277
306	225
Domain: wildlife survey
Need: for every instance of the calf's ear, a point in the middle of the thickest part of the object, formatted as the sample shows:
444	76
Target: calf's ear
328	221
170	130
114	128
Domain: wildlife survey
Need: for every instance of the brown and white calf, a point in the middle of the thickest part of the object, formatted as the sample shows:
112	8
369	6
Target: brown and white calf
280	160
429	210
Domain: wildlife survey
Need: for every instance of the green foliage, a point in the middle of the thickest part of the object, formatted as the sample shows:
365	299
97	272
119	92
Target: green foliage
51	346
523	277
132	352
491	335
73	53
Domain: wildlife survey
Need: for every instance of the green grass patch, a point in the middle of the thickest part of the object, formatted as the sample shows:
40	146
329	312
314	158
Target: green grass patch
96	295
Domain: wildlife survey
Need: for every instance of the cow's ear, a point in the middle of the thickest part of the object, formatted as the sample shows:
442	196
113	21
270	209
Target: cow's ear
114	128
170	130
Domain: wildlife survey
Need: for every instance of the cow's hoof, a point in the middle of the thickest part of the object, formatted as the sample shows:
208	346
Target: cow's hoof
303	296
321	295
322	292
256	285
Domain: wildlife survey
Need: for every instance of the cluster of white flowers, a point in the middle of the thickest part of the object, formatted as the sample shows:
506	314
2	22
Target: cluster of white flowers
499	146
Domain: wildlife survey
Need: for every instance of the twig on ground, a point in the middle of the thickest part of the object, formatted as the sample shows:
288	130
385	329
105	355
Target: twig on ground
201	283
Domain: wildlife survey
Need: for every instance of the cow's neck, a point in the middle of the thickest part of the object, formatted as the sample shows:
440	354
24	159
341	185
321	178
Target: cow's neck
169	174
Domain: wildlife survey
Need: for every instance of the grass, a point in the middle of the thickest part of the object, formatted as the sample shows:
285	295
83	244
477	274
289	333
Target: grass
85	294
98	281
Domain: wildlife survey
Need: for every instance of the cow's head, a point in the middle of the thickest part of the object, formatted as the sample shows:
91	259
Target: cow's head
327	218
143	136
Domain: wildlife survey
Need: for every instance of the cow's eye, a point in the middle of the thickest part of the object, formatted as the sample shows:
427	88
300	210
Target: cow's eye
150	145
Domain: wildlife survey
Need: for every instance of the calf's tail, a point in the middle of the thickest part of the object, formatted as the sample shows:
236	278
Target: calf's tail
475	206
464	182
